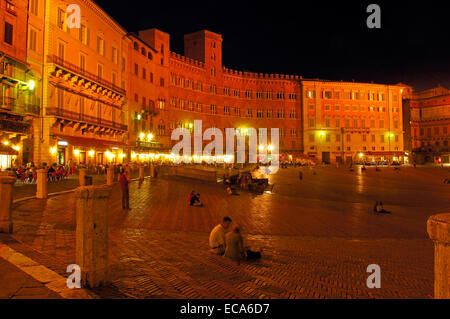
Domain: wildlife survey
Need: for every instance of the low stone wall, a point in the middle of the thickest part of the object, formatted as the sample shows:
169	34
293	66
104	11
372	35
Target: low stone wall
194	173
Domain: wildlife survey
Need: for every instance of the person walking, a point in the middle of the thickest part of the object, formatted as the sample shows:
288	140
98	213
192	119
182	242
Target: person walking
123	180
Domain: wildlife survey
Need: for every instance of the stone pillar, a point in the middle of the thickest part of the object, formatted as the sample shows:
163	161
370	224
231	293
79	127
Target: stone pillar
439	232
41	192
152	171
92	234
110	176
82	175
6	200
141	172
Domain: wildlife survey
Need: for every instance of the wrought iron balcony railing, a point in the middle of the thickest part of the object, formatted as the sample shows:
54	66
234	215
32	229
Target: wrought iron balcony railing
83	118
90	76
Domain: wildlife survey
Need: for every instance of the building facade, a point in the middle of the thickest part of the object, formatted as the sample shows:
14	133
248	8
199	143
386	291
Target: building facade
104	95
429	125
19	103
84	79
352	122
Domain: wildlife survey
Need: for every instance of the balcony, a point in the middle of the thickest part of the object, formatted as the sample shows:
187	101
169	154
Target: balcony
11	105
85	74
87	119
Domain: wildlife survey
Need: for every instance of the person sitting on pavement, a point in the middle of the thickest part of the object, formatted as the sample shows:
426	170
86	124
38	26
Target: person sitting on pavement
380	209
195	201
192	194
217	236
234	247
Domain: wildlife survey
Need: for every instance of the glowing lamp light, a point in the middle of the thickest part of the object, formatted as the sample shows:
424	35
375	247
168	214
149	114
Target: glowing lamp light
6	143
16	147
142	136
150	137
139	117
322	133
191	125
270	148
76	152
91	153
31	85
53	150
361	155
261	148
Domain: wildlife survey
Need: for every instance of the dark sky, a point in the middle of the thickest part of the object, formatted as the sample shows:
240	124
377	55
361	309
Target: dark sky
315	39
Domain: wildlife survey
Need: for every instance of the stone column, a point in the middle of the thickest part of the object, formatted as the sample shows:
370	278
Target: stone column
110	176
41	182
92	234
6	200
439	232
141	172
152	171
82	175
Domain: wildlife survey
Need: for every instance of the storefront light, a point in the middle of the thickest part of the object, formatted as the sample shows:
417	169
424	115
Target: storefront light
150	137
270	148
53	150
91	153
76	152
6	143
16	147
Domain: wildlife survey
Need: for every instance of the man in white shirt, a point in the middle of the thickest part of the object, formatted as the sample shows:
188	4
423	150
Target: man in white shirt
217	237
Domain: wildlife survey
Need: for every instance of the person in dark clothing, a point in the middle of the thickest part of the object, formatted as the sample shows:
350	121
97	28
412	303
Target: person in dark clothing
195	200
123	180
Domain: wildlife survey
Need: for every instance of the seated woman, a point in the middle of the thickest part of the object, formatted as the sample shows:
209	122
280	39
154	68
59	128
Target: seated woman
235	249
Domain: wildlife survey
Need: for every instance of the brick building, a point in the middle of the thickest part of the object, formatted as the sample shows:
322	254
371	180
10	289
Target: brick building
429	112
107	95
19	103
352	122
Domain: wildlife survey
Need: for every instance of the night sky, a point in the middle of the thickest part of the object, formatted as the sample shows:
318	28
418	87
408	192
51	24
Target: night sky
315	39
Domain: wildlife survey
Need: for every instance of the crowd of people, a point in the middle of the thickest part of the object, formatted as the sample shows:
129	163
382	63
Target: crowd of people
27	174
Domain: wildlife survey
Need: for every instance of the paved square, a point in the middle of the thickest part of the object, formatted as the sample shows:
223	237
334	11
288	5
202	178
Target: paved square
318	236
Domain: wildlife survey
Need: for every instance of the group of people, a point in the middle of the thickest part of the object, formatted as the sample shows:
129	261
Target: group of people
28	173
230	244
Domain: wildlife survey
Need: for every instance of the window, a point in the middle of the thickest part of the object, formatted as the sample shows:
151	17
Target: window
312	138
100	71
83	35
100	45
311	94
327	107
33	40
312	122
61	50
382	138
82	62
136	69
144	73
8	33
381	123
143	51
114	56
161	82
150	55
61	18
151	77
327	122
337	122
337	95
34	7
136	46
337	107
349	138
327	95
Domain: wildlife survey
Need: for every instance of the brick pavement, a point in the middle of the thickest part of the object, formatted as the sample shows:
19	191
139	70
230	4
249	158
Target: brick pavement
318	237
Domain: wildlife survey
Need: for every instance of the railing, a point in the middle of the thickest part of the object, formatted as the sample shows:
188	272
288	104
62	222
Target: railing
54	111
74	68
11	105
14	126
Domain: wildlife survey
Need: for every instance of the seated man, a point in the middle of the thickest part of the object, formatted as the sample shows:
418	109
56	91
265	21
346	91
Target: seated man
235	249
217	237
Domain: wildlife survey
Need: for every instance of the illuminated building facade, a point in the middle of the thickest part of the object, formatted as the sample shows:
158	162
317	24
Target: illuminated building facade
19	103
430	125
352	122
105	95
83	85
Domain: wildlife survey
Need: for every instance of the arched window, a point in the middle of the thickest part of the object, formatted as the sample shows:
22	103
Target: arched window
150	56
143	51
136	46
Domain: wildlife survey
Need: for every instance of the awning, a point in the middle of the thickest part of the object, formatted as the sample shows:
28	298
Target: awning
7	150
384	153
90	142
